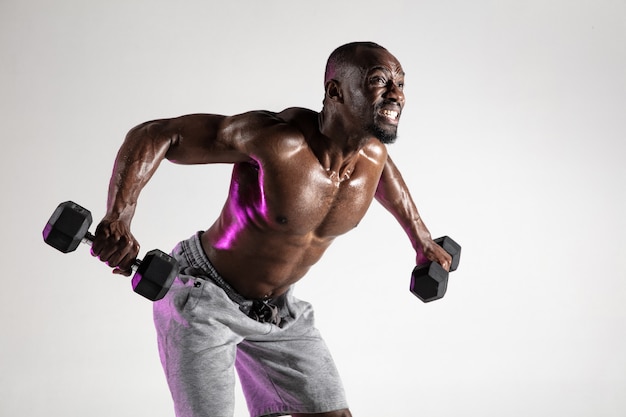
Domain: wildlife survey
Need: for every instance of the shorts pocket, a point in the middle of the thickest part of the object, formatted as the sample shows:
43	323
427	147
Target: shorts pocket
195	289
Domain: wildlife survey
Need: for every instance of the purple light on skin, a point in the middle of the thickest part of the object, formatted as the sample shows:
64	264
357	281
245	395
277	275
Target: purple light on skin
232	230
261	206
330	71
240	215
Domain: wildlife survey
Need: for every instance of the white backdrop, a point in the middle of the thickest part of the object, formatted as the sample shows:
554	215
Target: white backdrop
512	141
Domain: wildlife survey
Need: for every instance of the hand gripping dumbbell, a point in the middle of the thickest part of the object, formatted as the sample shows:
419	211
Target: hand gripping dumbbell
429	282
69	226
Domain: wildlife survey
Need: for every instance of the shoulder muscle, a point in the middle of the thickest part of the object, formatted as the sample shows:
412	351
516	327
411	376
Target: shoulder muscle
210	138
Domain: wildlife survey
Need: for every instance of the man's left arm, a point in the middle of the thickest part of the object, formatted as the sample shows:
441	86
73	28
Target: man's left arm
394	195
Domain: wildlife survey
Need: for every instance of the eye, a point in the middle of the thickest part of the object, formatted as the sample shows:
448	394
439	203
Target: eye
378	80
401	85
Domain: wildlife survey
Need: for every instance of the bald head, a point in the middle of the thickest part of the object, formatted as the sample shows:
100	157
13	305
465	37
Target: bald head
344	57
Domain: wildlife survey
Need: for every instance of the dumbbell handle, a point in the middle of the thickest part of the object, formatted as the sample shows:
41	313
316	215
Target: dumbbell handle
453	249
89	238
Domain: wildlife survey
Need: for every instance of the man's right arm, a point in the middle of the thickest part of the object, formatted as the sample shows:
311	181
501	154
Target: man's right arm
191	139
394	195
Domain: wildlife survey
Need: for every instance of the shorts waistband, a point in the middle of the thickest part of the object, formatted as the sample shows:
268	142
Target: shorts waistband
264	311
195	255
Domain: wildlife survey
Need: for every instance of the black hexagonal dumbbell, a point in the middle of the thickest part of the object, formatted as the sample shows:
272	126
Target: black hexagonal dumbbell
69	226
429	282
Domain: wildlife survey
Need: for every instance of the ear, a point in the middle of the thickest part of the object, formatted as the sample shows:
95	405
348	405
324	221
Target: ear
333	90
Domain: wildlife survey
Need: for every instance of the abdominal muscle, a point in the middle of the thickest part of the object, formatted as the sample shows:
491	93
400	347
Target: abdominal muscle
261	263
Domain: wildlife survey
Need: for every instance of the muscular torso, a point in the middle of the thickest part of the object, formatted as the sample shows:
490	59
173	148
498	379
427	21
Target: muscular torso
285	206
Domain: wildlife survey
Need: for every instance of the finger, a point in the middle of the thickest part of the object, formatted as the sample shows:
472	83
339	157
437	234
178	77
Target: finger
446	265
101	237
107	255
126	263
124	272
97	247
447	261
119	252
122	250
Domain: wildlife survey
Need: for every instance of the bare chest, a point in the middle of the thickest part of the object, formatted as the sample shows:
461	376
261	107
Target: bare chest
304	199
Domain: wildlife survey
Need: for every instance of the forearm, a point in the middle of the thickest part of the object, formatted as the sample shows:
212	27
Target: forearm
394	195
404	210
139	156
417	232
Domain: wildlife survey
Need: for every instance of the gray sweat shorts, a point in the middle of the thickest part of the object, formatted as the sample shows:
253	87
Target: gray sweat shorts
205	331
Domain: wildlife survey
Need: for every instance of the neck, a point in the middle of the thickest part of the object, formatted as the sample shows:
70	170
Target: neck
340	139
337	150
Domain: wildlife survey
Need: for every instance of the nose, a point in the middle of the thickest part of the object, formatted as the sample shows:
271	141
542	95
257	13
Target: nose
394	92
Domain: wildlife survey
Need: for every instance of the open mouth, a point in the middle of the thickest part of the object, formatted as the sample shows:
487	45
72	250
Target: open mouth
390	115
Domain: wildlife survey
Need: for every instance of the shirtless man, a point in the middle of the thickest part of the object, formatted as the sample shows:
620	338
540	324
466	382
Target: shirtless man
300	179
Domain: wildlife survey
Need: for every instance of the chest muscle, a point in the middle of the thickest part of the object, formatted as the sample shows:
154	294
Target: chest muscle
302	200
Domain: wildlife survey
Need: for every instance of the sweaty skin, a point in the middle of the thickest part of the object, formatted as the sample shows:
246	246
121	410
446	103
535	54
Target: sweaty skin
300	178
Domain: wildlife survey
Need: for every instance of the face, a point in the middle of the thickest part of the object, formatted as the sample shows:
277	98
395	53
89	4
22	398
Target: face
377	93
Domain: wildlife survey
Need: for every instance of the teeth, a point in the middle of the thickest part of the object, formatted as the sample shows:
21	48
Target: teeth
390	113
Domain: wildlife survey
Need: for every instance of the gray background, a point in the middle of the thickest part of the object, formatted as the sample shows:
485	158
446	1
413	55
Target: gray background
512	142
